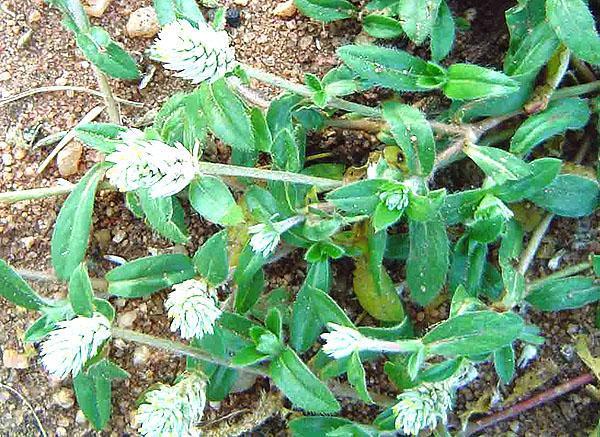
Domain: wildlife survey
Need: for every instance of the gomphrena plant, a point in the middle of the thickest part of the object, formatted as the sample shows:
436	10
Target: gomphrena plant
465	246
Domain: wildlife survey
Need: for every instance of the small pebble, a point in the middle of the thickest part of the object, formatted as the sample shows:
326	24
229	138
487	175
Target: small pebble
143	23
95	8
233	17
64	398
4	76
11	359
140	355
80	418
34	16
61	432
126	319
286	9
68	159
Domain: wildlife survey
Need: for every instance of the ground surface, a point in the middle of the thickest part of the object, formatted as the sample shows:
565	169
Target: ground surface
288	47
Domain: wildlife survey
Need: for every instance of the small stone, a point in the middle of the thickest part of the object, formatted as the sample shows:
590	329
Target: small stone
125	320
20	153
28	242
305	42
119	236
61	432
25	39
4	76
241	2
14	360
141	355
80	418
4	396
7	159
143	23
95	8
61	81
64	398
286	9
68	159
34	16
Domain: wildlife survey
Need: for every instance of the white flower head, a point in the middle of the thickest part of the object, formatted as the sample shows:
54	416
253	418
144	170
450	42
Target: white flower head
66	349
427	405
198	53
395	196
139	163
266	236
172	411
193	307
342	341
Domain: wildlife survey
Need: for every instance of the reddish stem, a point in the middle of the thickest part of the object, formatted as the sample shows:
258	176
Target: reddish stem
521	407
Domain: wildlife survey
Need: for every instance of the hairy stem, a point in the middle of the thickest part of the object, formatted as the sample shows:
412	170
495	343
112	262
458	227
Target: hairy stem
216	169
112	106
55	88
339	389
564	273
534	243
41	193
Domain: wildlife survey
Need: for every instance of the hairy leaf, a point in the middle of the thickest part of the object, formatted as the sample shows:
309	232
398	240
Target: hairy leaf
569	195
467	82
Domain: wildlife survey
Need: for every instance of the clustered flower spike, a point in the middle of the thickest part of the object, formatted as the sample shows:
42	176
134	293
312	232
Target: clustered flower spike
341	341
199	54
172	411
395	196
151	164
66	349
266	236
193	307
427	405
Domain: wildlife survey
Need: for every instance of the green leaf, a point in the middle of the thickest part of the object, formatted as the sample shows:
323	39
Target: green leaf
596	265
543	172
473	333
105	308
427	262
504	363
467	82
560	116
391	68
532	52
576	28
564	294
306	323
164	215
383	217
81	293
212	259
397	247
300	385
377	294
262	134
423	208
498	164
107	55
74	13
459	207
210	197
413	134
360	197
171	10
93	389
16	290
312	426
144	276
442	33
380	26
39	329
326	10
100	136
440	371
248	292
418	18
226	115
72	228
569	196
356	377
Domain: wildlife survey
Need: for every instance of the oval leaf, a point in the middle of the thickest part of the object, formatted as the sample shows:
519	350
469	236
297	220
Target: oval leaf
467	82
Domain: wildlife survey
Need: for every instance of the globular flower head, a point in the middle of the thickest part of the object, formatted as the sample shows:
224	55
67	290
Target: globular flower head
193	307
197	53
266	236
172	411
66	349
139	163
395	196
427	405
341	341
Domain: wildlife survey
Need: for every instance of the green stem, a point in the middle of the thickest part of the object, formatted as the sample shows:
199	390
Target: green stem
216	169
567	271
577	90
112	106
534	243
180	349
302	90
41	193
